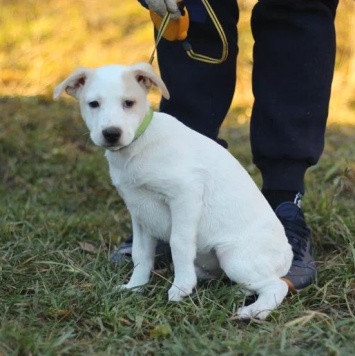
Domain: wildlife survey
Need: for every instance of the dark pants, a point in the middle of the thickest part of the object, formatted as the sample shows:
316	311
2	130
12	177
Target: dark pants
294	56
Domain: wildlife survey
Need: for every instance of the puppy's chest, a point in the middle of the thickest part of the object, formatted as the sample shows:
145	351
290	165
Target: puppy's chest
147	206
142	199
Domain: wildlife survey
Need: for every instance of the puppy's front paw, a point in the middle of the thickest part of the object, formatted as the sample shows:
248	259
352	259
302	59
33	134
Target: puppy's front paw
176	294
252	312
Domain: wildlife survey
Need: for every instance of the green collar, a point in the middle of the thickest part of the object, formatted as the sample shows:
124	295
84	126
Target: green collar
145	123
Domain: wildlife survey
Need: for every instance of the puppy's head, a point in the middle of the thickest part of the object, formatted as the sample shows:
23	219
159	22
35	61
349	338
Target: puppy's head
113	100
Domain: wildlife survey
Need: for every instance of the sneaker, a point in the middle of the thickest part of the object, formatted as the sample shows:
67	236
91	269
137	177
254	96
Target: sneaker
123	254
303	269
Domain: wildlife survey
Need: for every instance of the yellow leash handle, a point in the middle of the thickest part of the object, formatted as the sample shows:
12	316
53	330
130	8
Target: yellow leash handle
176	30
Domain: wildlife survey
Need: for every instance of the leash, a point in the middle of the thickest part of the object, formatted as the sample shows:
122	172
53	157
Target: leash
160	33
222	35
186	44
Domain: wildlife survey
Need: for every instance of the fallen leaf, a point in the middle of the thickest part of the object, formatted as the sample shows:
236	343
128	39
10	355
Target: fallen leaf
87	246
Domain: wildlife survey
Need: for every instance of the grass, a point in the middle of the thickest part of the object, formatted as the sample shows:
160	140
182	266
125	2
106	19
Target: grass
60	216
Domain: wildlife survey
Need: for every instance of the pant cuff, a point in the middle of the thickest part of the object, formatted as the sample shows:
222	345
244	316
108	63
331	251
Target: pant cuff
283	174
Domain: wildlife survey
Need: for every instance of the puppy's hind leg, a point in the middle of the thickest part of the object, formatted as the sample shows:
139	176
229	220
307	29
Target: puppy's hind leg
253	277
270	293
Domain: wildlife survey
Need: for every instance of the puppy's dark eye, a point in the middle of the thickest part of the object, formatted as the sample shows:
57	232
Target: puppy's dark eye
94	104
128	104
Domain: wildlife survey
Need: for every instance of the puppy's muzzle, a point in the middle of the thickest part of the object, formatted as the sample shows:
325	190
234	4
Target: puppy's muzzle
112	135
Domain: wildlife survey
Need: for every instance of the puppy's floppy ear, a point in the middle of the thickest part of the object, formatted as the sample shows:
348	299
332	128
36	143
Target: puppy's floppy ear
73	84
146	77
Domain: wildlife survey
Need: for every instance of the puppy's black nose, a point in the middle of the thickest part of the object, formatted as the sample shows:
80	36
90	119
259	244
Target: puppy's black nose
112	134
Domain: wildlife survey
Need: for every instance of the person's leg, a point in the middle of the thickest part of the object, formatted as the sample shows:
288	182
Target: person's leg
200	93
294	55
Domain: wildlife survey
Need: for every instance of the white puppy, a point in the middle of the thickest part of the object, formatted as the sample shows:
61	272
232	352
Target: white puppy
183	188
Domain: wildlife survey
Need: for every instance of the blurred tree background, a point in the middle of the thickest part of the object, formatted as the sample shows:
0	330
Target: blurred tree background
41	42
